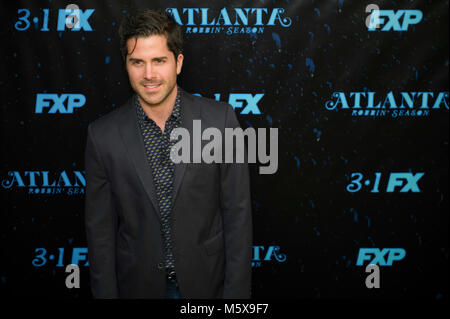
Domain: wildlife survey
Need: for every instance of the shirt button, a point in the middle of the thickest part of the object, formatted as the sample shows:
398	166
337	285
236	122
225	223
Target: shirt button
160	266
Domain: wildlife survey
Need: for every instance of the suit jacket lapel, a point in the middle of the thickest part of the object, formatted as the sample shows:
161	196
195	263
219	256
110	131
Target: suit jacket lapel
189	112
134	143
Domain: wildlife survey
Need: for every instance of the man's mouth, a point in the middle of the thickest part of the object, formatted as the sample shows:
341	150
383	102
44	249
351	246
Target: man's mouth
151	87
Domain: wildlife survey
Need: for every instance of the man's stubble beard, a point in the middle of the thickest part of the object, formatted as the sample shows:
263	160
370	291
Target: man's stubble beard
164	97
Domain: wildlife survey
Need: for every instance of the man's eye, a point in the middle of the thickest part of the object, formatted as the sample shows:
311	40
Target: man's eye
159	61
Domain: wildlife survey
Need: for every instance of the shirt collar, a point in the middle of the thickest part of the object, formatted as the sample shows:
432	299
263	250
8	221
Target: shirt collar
176	111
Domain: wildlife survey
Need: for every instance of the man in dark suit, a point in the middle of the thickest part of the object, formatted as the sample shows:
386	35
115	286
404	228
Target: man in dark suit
157	229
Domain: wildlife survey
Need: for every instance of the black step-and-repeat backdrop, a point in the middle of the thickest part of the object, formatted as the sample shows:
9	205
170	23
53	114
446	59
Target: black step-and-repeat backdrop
357	89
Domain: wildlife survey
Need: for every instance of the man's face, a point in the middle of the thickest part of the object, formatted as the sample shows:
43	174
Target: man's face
152	69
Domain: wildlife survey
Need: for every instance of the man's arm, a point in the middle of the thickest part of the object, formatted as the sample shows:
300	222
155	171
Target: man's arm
237	222
100	222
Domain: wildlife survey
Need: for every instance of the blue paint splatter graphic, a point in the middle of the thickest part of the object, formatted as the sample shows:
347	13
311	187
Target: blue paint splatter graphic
276	38
297	160
310	65
318	133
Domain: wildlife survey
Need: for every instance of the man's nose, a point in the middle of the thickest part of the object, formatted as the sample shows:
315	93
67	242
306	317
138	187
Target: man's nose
149	71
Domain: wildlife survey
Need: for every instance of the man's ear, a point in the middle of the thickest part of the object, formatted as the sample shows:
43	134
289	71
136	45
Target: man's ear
179	61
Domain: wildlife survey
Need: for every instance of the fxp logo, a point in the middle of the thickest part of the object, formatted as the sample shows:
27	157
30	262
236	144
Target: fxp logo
384	257
54	103
389	20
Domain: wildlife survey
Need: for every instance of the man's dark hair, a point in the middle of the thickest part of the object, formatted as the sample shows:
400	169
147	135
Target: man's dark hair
150	22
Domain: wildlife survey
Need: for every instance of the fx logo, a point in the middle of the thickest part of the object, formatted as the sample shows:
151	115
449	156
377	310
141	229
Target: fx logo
73	101
399	179
392	18
392	254
80	254
237	101
74	18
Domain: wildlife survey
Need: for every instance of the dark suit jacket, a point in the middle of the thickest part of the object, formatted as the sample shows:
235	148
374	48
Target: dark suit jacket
211	215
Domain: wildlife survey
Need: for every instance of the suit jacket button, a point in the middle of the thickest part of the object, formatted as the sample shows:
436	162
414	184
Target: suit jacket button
160	266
